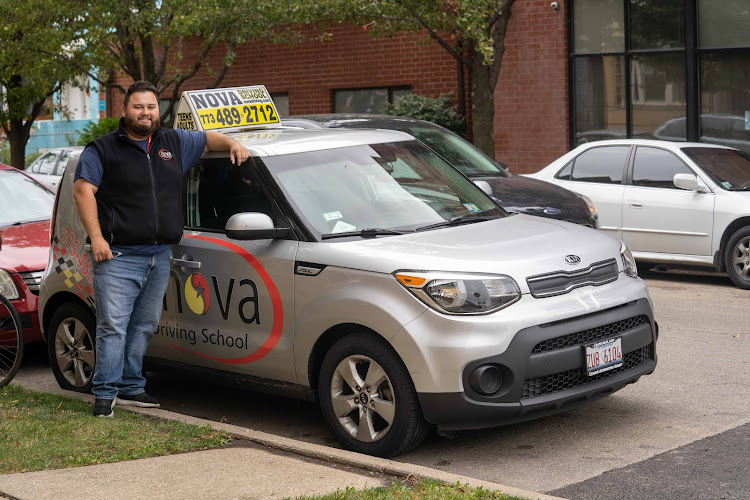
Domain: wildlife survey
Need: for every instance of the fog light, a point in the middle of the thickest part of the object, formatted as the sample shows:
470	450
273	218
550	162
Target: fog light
486	380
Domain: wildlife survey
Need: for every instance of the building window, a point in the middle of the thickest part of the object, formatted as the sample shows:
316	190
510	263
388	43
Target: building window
281	101
637	70
371	100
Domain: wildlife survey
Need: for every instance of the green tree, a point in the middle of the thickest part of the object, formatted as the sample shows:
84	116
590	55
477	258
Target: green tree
92	130
151	39
27	76
471	31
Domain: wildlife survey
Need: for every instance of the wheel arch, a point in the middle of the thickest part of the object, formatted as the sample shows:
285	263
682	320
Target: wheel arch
728	232
328	339
54	302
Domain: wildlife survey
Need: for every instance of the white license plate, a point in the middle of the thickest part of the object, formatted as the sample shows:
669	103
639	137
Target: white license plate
604	355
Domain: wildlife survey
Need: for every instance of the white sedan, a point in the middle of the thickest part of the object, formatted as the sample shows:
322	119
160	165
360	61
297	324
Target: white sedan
670	202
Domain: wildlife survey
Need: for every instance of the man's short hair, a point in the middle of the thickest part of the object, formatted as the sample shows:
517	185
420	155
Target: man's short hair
139	86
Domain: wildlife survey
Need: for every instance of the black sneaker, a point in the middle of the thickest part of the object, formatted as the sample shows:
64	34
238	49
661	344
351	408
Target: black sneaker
103	408
141	400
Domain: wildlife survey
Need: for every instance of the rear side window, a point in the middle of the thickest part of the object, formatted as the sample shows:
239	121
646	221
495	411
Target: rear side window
655	167
603	165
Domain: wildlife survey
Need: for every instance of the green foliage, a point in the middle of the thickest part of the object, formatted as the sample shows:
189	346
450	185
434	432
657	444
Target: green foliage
44	431
31	157
437	110
92	130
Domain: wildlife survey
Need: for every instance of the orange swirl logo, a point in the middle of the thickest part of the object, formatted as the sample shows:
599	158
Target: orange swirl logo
197	296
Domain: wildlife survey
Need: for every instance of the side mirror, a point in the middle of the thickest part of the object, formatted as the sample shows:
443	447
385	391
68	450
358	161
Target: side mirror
689	182
254	226
484	186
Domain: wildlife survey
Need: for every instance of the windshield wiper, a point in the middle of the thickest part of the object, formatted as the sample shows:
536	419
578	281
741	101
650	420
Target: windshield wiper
22	222
458	221
371	232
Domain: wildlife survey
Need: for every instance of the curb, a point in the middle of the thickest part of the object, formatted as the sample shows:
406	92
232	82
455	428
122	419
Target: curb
320	452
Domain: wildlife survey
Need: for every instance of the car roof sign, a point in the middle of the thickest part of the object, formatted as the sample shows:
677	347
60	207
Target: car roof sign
227	109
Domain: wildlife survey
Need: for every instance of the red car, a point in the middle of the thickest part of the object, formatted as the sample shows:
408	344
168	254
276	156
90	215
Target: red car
25	211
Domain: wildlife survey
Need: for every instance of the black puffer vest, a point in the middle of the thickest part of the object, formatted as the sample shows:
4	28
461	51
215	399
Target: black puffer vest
139	198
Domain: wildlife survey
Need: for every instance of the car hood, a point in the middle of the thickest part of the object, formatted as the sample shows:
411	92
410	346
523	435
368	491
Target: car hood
25	247
535	197
518	246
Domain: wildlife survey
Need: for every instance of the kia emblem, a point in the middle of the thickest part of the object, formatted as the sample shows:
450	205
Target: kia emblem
572	259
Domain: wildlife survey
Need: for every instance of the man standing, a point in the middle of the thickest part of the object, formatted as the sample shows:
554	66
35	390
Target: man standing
127	190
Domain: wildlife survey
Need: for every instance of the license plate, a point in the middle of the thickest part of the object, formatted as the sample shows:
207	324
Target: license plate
603	356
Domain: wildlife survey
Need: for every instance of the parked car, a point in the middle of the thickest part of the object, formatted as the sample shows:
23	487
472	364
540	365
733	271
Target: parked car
48	168
25	209
514	193
724	130
670	202
359	269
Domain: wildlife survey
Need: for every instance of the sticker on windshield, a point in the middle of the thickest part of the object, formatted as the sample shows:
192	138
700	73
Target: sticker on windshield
342	227
332	216
472	208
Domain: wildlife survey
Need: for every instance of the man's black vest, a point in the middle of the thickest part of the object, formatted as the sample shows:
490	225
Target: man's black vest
139	198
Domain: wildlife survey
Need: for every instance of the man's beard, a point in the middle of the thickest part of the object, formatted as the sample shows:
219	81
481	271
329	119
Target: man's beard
139	130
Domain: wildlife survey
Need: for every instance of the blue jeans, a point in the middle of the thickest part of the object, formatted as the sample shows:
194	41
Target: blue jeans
129	293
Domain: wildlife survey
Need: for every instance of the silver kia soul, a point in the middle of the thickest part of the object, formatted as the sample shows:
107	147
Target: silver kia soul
358	268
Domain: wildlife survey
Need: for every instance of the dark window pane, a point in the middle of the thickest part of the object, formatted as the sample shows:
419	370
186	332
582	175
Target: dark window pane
281	102
657	24
724	23
725	100
655	167
729	169
598	26
360	101
218	190
564	174
657	92
603	165
599	98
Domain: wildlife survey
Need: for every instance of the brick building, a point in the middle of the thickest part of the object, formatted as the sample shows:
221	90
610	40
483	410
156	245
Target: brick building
573	71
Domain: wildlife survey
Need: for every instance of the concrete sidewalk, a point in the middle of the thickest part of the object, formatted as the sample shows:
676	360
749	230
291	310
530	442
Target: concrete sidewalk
257	466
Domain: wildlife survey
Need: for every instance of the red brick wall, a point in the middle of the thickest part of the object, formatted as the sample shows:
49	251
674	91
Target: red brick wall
531	98
531	110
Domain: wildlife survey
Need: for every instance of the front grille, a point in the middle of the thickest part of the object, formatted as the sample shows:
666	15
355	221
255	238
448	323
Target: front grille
540	386
33	280
590	335
561	282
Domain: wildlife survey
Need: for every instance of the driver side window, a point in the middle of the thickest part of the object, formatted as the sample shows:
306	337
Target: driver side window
217	190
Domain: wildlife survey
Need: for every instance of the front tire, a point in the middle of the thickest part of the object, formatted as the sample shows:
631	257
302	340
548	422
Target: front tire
71	347
737	258
368	399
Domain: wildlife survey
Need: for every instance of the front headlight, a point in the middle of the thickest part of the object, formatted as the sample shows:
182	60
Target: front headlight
7	287
461	293
628	262
589	204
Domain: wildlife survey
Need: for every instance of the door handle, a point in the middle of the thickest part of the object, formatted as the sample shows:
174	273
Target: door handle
635	204
189	264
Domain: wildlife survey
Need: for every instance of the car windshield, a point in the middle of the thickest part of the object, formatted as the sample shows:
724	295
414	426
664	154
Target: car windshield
22	199
379	187
459	153
728	168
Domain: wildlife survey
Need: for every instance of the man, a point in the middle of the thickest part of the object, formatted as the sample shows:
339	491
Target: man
127	190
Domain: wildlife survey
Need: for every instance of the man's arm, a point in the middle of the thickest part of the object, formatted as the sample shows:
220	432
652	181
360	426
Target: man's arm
84	192
220	142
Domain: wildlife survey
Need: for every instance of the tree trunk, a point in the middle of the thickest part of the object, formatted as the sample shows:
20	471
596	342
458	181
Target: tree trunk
482	104
18	136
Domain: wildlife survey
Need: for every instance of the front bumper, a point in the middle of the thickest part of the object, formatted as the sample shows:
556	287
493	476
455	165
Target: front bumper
544	370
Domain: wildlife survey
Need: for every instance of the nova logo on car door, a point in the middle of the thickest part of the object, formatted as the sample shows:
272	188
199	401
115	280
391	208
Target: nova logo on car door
235	298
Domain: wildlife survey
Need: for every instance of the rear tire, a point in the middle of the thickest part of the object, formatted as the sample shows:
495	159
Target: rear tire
368	399
11	341
737	258
71	343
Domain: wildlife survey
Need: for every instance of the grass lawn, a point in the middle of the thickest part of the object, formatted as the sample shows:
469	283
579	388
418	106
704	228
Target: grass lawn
43	431
422	489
